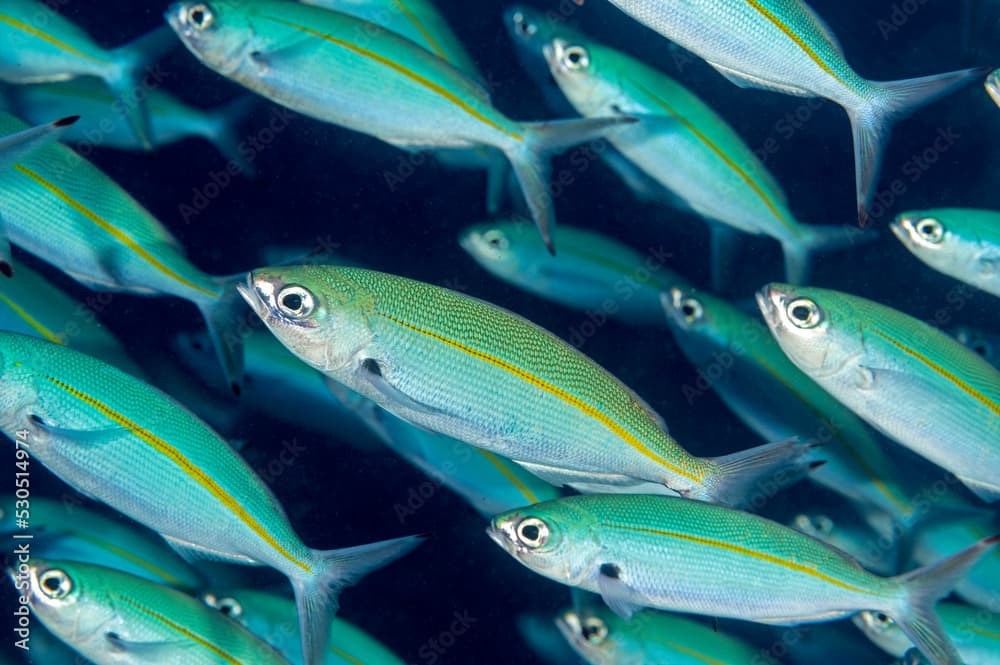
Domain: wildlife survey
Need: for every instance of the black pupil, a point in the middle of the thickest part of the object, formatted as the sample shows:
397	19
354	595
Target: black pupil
51	584
981	349
522	27
198	16
494	241
688	310
575	57
530	532
227	608
292	301
801	313
590	631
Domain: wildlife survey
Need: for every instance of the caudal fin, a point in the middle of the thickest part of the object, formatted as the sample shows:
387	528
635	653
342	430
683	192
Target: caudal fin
223	315
529	159
750	477
799	252
15	147
316	595
922	589
222	131
127	78
872	123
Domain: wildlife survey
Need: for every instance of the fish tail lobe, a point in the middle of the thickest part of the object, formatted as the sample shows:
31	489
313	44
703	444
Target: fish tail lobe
127	79
748	477
798	252
332	570
922	588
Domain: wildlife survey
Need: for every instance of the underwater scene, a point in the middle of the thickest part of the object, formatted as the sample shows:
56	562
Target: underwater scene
416	332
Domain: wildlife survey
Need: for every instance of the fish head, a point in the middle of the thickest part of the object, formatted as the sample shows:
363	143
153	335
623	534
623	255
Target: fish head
497	246
546	538
531	29
882	630
689	311
317	312
930	236
219	33
575	66
816	328
591	633
58	595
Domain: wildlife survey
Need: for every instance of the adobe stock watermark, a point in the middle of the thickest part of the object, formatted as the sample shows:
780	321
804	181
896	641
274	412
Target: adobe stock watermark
431	651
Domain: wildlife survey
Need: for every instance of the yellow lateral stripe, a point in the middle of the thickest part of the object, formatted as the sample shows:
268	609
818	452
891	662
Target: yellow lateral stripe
31	321
697	655
859	459
128	556
791	565
11	21
408	73
106	226
197	639
983	632
185	464
778	23
572	400
346	656
423	31
517	482
736	168
962	385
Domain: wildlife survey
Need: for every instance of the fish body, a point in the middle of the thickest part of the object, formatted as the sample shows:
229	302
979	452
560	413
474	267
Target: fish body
685	146
472	371
963	243
774	398
114	618
118	440
592	272
69	530
975	631
64	210
784	46
907	379
694	557
272	618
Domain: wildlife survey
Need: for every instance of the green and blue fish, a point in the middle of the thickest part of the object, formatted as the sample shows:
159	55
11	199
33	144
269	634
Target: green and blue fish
114	618
690	556
38	44
472	371
975	631
118	440
904	377
784	46
341	69
963	243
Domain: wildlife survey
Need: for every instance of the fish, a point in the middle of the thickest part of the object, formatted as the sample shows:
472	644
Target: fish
15	147
118	440
603	638
689	149
963	243
694	557
60	207
113	617
848	532
975	631
785	46
993	85
38	44
321	63
267	616
468	369
739	359
170	119
591	273
941	538
68	529
904	377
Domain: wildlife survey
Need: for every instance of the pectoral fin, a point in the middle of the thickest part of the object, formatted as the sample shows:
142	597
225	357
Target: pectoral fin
193	553
85	437
616	594
745	81
147	652
371	372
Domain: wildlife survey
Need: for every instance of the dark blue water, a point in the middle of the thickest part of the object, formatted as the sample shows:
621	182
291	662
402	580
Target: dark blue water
321	187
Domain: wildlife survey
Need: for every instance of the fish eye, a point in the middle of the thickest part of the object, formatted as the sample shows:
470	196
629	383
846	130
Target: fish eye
881	620
524	26
200	16
533	532
496	239
930	230
296	302
576	58
230	607
594	630
55	584
692	310
804	313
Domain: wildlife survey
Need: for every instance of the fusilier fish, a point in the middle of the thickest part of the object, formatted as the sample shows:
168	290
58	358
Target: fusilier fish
963	243
784	46
38	44
689	149
975	631
120	441
909	380
114	618
470	370
695	557
58	206
326	64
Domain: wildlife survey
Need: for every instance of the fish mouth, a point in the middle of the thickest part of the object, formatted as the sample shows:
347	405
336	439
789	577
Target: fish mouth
769	301
671	303
503	535
902	228
570	626
258	294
